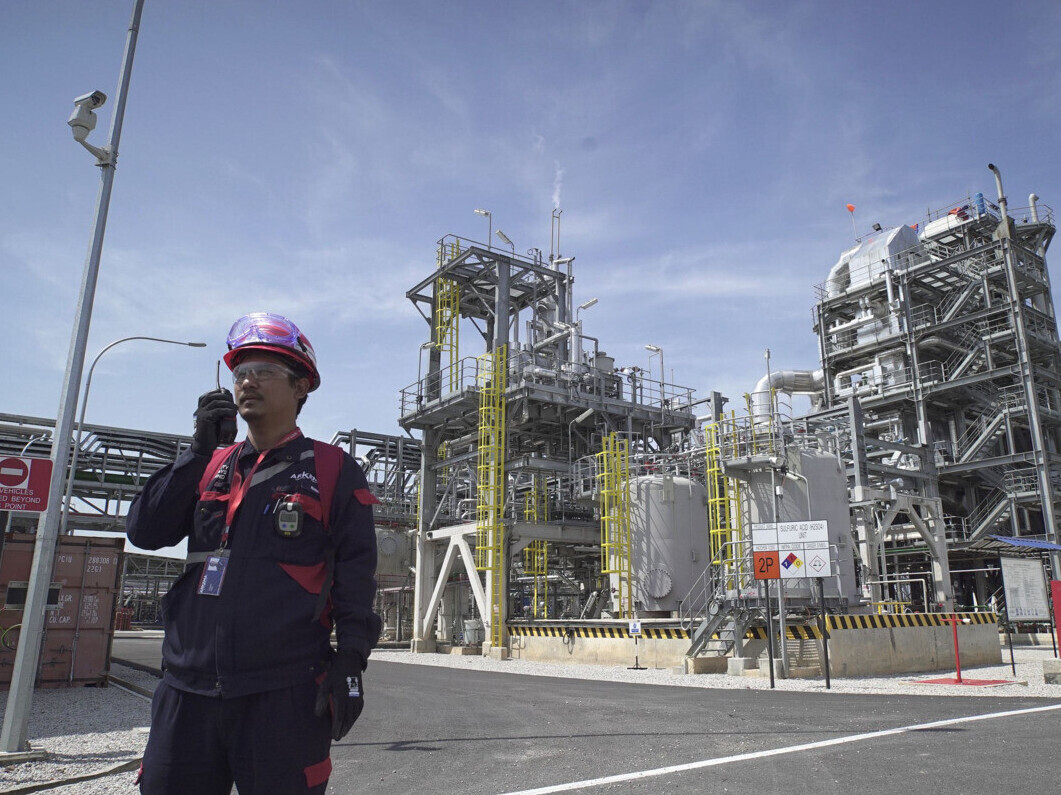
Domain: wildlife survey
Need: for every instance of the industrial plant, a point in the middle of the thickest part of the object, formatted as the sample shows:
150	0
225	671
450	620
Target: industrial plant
550	502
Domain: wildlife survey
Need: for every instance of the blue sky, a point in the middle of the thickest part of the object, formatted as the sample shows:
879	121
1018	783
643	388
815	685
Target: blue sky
304	157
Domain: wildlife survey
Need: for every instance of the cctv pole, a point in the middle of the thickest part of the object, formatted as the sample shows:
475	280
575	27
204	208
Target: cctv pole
20	696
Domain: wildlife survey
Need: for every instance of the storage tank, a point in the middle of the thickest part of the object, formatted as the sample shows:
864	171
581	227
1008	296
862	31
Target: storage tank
668	539
815	489
395	554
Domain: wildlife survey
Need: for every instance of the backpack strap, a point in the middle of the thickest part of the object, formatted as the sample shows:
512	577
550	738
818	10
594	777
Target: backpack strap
219	456
328	462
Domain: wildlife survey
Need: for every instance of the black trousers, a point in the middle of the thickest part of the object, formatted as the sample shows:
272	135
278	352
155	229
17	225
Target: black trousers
267	744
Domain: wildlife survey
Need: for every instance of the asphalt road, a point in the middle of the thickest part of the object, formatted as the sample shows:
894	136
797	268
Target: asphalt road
441	730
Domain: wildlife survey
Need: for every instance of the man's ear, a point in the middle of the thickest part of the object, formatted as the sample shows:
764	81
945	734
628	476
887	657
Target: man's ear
301	388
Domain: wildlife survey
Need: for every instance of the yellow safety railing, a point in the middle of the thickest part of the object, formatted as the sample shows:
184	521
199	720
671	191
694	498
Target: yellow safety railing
447	326
536	502
743	437
490	493
536	565
443	454
613	489
723	501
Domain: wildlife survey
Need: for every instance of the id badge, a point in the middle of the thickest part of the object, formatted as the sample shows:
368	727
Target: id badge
213	575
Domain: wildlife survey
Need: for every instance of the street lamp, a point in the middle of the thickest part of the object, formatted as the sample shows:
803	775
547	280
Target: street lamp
653	350
68	496
490	225
587	305
507	242
24	672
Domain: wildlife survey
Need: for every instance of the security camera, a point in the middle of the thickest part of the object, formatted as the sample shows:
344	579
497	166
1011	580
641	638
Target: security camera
91	101
83	121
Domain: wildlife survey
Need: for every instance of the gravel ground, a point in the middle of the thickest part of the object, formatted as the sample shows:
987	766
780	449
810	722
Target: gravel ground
85	730
91	730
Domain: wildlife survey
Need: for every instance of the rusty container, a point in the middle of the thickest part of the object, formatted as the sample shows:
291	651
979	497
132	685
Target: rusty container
79	627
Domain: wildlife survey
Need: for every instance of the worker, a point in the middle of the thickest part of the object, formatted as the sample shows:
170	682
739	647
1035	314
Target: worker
252	691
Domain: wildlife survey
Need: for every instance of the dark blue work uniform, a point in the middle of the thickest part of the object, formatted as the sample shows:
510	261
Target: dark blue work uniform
240	668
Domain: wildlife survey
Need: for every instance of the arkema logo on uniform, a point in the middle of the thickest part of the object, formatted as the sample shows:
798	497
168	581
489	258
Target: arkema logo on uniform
305	476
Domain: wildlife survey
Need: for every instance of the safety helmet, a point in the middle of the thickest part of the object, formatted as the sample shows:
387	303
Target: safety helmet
264	331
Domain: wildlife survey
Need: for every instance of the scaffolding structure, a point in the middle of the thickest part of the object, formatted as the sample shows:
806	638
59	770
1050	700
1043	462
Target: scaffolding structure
560	397
941	368
112	466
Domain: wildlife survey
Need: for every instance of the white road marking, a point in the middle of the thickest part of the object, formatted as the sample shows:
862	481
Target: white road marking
791	749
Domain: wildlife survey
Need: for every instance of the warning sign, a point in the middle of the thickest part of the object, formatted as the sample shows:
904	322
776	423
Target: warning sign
767	566
24	483
791	550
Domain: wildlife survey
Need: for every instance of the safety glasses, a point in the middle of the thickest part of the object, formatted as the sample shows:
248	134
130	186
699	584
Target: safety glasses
264	327
259	371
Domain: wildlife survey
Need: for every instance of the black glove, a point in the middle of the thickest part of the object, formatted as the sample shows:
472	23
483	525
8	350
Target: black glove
216	409
343	691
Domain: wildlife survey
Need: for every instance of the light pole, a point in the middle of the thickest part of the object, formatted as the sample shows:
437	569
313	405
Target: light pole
68	496
490	225
587	305
653	350
20	694
506	241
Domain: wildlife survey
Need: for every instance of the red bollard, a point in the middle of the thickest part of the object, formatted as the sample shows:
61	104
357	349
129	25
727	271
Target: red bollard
954	621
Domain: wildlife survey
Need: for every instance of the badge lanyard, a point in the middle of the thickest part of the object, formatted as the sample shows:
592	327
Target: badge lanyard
213	575
240	485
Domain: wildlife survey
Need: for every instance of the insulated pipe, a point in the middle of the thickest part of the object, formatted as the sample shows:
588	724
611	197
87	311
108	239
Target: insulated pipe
1032	199
1002	204
545	343
794	382
930	341
839	276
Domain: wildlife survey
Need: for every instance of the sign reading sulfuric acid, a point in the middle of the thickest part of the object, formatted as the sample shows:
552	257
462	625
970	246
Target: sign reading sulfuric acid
791	550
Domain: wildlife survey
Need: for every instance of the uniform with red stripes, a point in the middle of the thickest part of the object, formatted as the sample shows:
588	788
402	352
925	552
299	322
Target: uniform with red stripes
281	548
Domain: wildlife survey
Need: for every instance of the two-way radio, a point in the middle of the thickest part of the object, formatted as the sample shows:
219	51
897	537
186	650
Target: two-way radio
226	433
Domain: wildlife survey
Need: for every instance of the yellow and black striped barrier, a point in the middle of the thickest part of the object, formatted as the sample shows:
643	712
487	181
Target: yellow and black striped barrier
888	621
809	631
655	633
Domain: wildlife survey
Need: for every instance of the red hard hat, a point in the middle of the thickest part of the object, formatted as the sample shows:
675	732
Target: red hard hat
264	331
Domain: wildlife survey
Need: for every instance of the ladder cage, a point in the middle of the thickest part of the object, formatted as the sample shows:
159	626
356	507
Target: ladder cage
447	326
613	490
490	482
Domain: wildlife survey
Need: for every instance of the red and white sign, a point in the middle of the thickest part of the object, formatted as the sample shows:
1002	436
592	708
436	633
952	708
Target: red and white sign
24	483
791	550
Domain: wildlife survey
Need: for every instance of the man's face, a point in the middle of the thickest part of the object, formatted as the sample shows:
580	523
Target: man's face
268	393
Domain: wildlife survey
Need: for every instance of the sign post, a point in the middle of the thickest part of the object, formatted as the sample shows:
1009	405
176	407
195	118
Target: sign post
789	551
770	632
1024	584
1055	592
635	632
825	632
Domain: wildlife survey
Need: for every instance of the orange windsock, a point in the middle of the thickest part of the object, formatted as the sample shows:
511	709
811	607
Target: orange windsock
850	208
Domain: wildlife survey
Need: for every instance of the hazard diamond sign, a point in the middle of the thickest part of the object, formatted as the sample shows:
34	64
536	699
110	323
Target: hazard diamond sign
791	550
24	483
